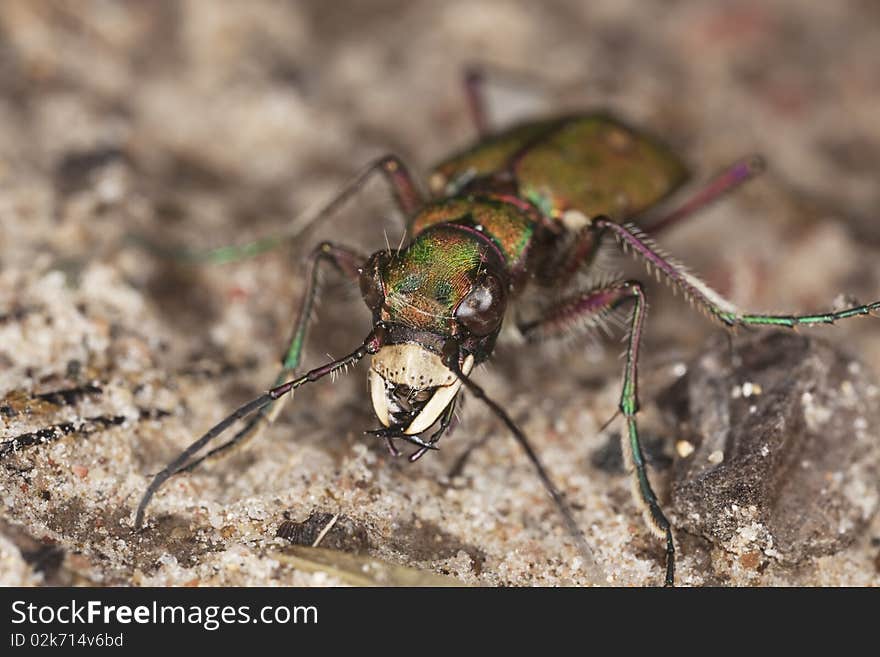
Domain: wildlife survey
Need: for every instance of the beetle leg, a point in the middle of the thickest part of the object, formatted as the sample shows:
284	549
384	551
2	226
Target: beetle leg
737	174
632	448
577	313
474	86
709	301
403	186
588	309
473	81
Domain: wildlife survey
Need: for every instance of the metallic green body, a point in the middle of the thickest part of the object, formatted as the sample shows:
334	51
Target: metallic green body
508	199
593	164
508	226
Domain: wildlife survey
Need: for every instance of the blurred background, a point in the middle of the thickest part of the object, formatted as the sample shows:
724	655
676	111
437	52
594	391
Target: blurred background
201	123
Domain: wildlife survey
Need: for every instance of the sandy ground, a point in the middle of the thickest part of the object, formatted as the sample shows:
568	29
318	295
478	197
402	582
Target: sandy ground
206	123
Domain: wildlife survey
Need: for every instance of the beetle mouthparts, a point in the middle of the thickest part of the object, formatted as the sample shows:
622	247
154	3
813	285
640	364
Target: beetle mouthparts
406	402
411	387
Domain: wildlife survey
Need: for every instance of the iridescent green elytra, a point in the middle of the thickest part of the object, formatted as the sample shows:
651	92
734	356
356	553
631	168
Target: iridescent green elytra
526	207
593	164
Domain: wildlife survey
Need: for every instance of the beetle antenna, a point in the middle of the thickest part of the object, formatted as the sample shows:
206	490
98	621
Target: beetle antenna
183	461
451	361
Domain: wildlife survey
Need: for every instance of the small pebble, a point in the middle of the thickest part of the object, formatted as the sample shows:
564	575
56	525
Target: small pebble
749	389
684	448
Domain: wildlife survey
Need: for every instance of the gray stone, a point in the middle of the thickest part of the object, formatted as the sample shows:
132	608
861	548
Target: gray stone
785	458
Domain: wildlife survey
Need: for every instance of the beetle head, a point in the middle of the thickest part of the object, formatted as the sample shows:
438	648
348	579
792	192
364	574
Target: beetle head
445	287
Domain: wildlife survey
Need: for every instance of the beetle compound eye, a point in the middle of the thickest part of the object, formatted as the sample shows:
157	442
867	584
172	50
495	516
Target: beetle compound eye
482	309
371	289
371	282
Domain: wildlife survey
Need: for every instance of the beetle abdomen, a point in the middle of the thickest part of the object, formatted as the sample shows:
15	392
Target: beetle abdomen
590	164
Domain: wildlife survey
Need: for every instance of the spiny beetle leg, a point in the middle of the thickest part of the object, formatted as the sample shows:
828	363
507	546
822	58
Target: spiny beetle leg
576	313
705	298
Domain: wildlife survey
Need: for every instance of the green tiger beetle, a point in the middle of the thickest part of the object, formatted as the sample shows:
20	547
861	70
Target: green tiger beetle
523	209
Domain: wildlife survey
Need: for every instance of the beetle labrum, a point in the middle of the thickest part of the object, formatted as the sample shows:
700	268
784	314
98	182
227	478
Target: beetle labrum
526	207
